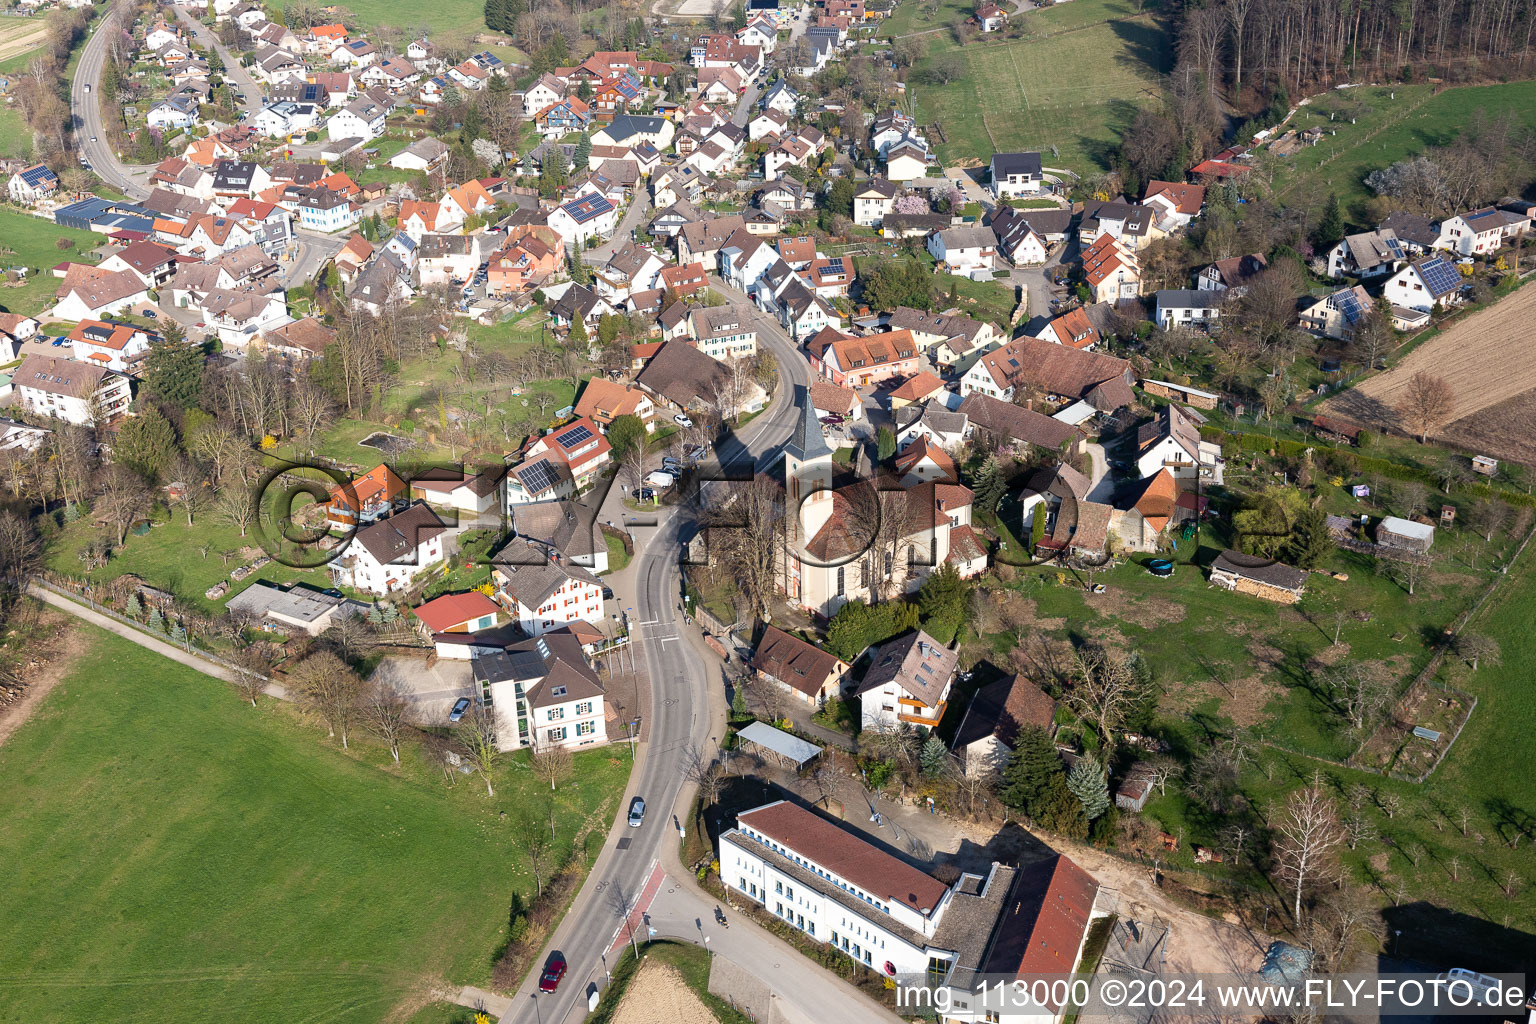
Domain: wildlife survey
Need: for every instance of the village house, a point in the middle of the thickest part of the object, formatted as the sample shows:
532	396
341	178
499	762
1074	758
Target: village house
997	714
366	498
1175	203
1337	314
568	529
456	613
541	591
1188	308
387	555
964	250
473	494
907	683
1232	275
1072	328
802	670
1172	441
1014	175
84	394
1102	381
1425	284
1111	271
861	362
111	345
559	464
544	694
1366	255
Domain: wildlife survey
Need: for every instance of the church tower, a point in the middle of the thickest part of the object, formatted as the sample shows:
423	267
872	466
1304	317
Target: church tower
808	470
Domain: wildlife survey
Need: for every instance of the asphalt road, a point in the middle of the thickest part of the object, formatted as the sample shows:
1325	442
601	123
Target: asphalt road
233	72
90	136
687	702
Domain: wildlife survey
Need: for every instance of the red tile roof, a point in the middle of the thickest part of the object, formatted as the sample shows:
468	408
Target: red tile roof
845	854
442	613
1042	929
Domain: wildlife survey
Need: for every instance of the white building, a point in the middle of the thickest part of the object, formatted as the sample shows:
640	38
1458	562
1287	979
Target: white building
964	250
843	890
542	591
360	119
583	219
907	683
78	393
1173	442
1424	284
386	556
543	694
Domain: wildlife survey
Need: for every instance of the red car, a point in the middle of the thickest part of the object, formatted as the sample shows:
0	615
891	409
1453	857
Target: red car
549	981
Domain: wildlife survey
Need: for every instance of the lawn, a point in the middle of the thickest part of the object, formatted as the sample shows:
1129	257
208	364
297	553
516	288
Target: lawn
33	242
15	136
1374	127
172	556
1072	85
173	850
446	21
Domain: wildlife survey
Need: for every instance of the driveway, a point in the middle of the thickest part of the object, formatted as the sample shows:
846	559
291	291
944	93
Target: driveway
431	690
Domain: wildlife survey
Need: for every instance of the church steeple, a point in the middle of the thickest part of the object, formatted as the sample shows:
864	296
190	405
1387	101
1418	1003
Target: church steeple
807	457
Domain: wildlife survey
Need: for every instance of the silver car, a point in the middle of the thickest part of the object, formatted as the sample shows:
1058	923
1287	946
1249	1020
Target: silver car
636	812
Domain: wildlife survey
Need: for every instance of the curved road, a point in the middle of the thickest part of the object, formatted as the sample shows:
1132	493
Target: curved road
90	138
687	710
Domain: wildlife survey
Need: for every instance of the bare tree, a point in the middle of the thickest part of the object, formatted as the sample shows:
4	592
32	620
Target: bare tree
1361	691
1164	769
252	669
236	507
1476	647
1106	689
384	711
703	770
1428	402
477	730
552	764
880	523
1488	516
537	847
1308	837
744	537
122	502
324	685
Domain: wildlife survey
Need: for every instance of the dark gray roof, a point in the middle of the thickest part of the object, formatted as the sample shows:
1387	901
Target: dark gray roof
1260	570
1188	298
1016	163
807	442
920	664
389	540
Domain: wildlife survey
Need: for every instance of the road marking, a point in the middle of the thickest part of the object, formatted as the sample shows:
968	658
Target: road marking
636	918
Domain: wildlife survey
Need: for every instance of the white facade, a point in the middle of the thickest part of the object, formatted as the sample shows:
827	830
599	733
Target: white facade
574	599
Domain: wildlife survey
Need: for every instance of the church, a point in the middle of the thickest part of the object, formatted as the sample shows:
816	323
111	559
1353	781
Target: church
866	539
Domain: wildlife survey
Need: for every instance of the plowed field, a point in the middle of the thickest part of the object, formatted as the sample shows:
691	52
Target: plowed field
1486	359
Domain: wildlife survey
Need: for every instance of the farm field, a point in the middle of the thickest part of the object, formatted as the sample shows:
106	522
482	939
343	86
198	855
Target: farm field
1390	123
31	242
1480	357
1071	88
20	36
1505	431
174	849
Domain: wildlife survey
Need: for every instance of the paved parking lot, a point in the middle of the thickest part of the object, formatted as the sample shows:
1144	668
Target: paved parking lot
431	690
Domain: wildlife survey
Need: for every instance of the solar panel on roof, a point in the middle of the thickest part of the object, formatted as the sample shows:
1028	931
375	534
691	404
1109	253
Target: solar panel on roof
538	477
1395	248
576	435
1440	277
1349	305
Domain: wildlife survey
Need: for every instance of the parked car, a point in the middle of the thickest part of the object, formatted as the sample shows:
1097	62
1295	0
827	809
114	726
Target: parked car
152	314
549	981
644	494
459	707
636	812
681	420
670	464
